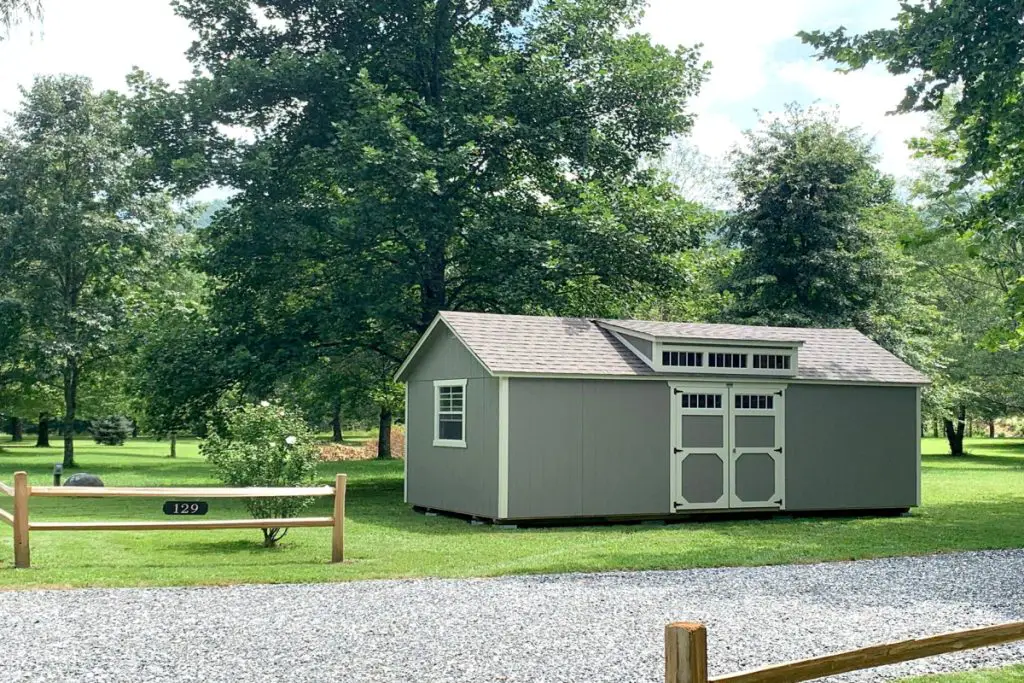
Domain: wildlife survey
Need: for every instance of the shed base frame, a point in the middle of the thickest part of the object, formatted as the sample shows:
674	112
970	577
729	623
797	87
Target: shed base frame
678	518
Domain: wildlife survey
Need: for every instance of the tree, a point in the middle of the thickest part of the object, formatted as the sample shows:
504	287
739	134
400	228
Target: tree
411	156
806	189
13	11
972	50
75	228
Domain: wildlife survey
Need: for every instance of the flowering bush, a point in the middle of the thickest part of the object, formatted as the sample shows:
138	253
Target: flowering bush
265	445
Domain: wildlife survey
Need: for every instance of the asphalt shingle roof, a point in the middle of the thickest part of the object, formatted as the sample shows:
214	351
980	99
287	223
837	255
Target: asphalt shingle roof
580	346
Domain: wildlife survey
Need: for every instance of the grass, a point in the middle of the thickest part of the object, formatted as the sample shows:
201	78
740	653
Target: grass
972	503
1012	674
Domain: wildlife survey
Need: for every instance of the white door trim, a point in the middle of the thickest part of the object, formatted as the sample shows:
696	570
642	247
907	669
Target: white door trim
677	453
777	452
503	448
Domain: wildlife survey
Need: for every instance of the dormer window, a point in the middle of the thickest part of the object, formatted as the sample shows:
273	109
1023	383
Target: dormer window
771	361
727	360
683	359
773	356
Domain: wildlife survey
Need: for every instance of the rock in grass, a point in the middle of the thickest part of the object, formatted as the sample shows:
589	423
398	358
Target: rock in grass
83	479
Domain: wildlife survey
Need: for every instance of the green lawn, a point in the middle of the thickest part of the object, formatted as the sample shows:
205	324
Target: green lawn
1013	674
971	503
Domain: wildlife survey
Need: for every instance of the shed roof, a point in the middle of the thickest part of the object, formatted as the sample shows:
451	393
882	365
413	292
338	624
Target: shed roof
539	345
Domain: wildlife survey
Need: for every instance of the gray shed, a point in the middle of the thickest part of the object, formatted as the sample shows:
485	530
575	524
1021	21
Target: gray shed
514	418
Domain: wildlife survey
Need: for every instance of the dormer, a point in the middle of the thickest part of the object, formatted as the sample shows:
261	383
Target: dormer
676	348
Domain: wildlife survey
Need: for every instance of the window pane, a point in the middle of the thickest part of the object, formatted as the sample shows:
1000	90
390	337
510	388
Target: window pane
450	429
665	358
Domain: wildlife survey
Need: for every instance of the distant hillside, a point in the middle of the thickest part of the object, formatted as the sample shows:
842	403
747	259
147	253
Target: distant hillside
206	217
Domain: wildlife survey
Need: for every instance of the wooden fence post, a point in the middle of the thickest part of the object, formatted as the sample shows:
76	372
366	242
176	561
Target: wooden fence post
22	557
686	653
338	536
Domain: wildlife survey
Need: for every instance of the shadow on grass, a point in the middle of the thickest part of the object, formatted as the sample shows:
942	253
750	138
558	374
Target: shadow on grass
1015	461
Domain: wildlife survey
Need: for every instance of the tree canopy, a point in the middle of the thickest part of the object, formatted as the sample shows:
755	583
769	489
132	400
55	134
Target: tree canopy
75	229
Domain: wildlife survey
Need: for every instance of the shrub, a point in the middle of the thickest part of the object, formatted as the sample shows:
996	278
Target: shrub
265	445
111	431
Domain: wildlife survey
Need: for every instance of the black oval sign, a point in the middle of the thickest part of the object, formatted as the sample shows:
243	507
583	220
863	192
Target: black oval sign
186	507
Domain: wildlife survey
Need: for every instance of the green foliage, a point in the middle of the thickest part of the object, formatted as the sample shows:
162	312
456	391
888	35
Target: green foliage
965	57
807	189
972	503
265	444
79	237
409	157
111	431
13	12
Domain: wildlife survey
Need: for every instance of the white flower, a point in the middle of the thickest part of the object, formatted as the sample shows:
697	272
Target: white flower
265	404
291	441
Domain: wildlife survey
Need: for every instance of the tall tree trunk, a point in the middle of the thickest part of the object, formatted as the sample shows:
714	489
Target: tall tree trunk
70	408
935	428
17	429
43	436
955	435
337	435
174	445
991	429
135	429
384	436
433	287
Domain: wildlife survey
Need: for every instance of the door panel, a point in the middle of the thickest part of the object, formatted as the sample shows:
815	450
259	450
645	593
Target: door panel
754	475
700	452
727	446
756	462
703	477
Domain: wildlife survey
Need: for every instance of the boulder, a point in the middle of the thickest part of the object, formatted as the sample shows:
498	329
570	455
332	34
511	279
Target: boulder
83	479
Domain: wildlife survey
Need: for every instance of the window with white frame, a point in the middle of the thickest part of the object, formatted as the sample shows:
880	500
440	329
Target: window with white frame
450	413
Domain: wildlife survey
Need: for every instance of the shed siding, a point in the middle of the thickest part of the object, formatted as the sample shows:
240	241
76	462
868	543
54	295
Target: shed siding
463	480
850	447
642	345
444	357
588	448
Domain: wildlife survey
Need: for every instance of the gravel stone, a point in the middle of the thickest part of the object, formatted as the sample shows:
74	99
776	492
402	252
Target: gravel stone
541	629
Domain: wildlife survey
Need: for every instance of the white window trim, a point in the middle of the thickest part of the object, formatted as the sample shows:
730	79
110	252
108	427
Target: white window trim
448	443
705	369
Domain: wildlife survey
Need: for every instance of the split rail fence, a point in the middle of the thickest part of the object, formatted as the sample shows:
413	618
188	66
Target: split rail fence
686	655
23	527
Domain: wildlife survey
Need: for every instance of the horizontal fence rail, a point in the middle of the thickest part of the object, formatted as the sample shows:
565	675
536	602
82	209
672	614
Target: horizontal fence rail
21	491
198	492
686	659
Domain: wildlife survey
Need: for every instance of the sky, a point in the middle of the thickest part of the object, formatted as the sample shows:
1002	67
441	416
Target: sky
758	65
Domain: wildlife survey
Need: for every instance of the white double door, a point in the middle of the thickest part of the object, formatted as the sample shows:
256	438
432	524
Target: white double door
728	447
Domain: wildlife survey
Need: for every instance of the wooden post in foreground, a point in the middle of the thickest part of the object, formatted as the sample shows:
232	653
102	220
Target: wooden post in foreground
338	535
686	653
22	558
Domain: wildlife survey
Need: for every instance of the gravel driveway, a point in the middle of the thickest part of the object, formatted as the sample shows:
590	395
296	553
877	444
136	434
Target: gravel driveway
602	627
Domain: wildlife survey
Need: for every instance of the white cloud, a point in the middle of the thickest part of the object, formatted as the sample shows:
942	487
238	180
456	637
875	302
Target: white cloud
759	64
738	37
102	39
863	98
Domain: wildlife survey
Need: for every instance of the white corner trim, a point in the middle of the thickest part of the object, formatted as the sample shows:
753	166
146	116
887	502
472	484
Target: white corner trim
917	441
449	443
405	449
503	448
